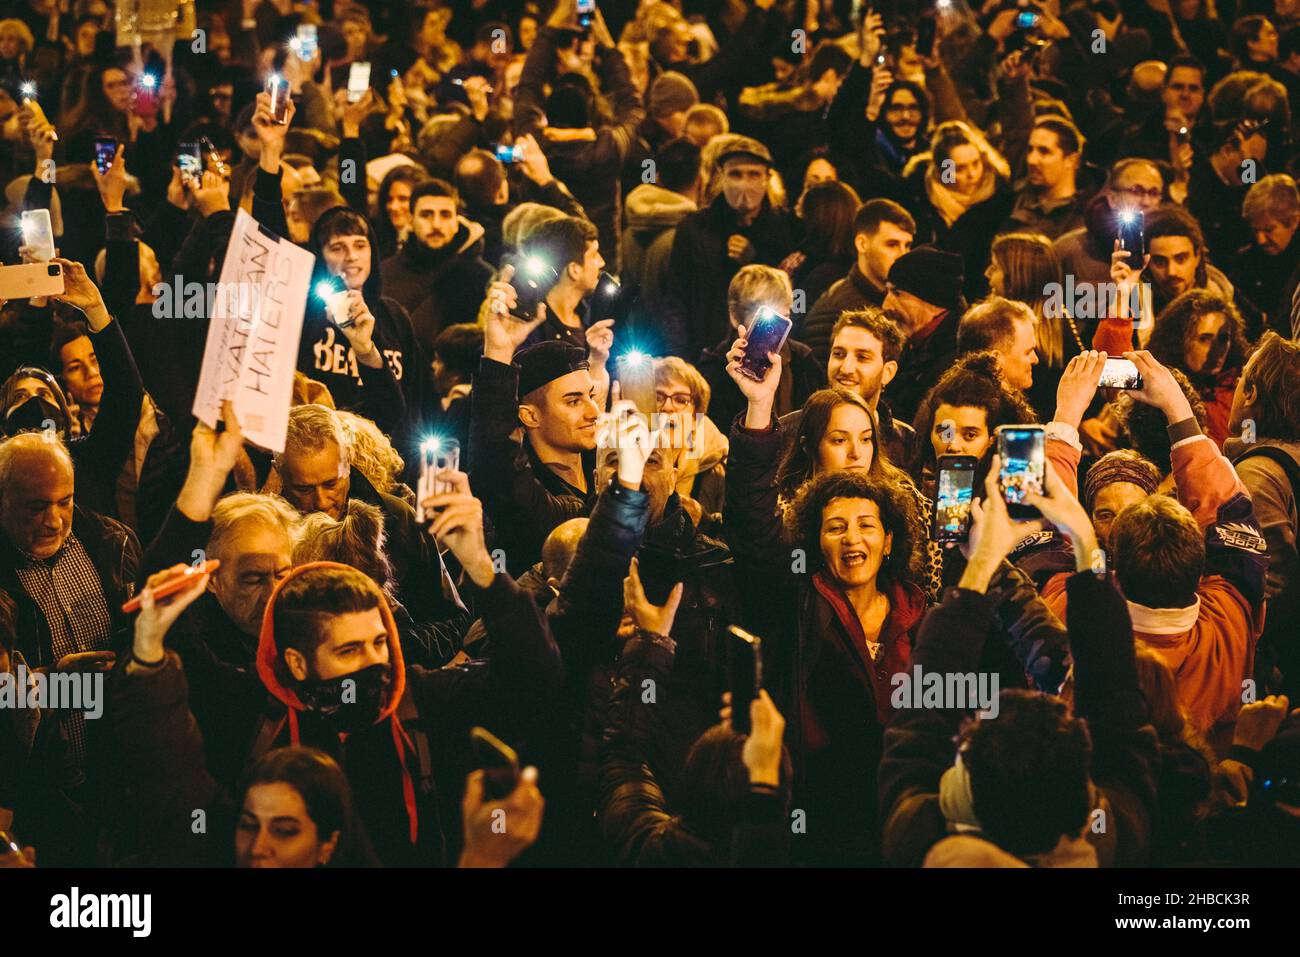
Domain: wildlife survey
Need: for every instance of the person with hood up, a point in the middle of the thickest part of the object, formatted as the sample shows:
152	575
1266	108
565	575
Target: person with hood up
330	658
439	274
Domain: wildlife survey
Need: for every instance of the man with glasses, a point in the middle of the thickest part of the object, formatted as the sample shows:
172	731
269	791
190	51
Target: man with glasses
1085	252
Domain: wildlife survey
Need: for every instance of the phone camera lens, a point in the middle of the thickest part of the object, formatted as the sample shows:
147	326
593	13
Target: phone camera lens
54	270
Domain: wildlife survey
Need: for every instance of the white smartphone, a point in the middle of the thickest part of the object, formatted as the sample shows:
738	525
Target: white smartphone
437	455
31	279
38	234
358	81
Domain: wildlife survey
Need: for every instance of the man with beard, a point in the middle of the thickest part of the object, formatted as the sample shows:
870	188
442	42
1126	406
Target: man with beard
882	232
737	229
330	659
865	349
1176	262
439	275
1049	201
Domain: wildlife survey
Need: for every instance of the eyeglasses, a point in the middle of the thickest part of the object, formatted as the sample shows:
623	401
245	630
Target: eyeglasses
678	400
903	108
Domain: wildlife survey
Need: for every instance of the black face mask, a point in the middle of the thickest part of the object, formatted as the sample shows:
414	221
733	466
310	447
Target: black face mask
35	414
350	702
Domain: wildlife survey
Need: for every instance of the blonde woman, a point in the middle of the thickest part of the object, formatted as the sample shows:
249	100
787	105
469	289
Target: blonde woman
960	195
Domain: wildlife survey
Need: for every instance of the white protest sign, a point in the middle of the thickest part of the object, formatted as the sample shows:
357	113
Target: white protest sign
252	347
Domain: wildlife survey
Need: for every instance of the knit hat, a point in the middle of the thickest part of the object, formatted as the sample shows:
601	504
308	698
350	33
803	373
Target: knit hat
931	275
1123	465
545	362
671	92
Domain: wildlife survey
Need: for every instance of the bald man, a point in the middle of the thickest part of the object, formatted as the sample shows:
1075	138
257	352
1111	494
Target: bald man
67	570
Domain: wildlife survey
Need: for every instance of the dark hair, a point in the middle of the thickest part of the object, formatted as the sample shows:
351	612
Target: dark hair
1246	30
460	346
571	103
64	332
406	173
1159	552
479	176
828	213
1068	136
975	381
1173	221
678	164
1187	62
715	784
1029	772
800	462
306	604
898	514
875	322
922	96
561	241
1176	326
1274	374
326	794
1147	429
876	211
341	221
434	187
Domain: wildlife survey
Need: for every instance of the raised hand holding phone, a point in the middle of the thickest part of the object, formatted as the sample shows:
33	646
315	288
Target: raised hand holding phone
458	524
656	619
760	393
157	615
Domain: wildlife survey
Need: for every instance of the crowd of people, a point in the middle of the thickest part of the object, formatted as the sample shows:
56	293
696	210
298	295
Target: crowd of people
556	226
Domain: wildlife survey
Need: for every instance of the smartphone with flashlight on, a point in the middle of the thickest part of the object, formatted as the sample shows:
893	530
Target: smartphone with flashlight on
498	761
189	160
278	87
766	334
744	675
1130	227
586	12
334	294
437	455
1024	467
38	234
27	92
636	380
534	277
358	81
952	505
105	151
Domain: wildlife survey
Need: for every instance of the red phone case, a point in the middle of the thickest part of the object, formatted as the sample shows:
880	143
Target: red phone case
173	585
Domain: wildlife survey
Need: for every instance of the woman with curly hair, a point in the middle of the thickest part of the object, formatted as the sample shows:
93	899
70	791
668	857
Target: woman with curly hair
1202	335
834	593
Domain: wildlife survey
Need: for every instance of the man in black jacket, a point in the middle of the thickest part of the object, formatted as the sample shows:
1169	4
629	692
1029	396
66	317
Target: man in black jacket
882	232
530	485
925	300
738	228
439	274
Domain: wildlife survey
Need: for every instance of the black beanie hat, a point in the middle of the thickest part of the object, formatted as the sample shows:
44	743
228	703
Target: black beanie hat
545	362
930	274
